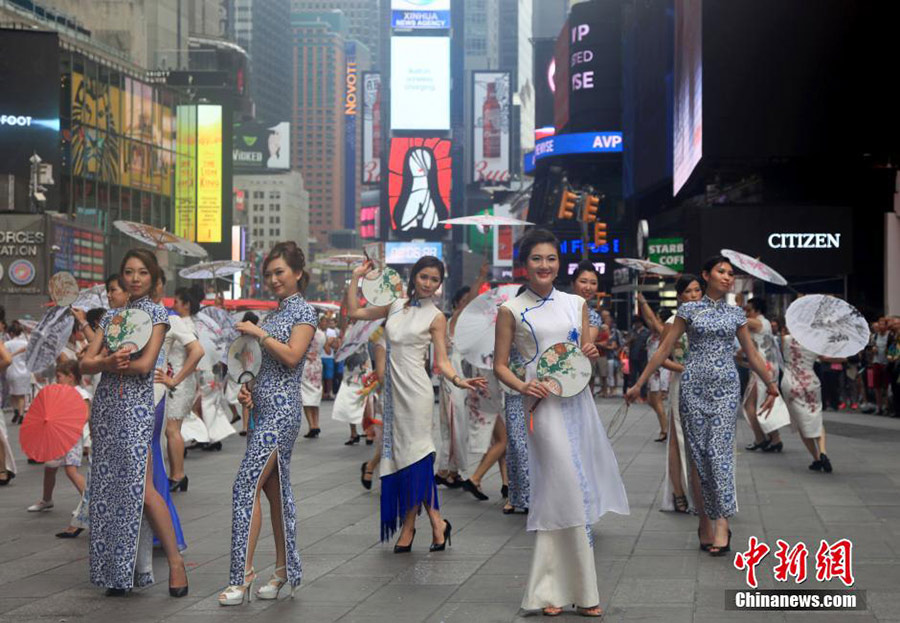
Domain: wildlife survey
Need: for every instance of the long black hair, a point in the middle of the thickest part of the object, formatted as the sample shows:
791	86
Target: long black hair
426	261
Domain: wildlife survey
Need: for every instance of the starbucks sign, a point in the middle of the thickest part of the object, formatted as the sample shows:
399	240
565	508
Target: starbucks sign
667	251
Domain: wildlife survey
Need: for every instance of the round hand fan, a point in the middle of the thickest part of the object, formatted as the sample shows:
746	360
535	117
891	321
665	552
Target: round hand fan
382	287
63	288
130	328
564	369
244	359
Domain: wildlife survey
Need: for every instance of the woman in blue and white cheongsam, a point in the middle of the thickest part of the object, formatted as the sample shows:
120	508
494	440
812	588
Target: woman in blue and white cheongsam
710	393
276	411
122	420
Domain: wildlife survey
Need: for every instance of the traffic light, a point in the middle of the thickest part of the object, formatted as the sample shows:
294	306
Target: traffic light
599	234
567	202
591	207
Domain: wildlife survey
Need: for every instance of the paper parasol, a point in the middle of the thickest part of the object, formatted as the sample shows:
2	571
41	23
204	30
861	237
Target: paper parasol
130	328
160	238
356	336
48	338
474	334
344	260
382	287
63	288
223	320
325	307
92	298
244	359
827	326
754	267
484	220
646	266
54	422
214	338
212	270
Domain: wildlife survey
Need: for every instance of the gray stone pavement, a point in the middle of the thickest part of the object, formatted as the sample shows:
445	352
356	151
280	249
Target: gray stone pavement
648	564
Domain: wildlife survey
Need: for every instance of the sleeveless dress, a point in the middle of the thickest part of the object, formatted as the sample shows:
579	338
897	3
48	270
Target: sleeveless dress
710	393
801	388
676	428
122	422
572	469
311	383
407	456
349	406
764	340
454	455
277	414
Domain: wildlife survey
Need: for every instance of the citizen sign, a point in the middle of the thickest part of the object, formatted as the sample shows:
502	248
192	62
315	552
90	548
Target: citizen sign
805	241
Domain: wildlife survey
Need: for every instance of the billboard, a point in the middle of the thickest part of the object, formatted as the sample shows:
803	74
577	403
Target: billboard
420	14
371	129
419	178
186	173
410	252
78	250
491	115
259	146
23	248
29	109
209	173
688	98
351	111
420	83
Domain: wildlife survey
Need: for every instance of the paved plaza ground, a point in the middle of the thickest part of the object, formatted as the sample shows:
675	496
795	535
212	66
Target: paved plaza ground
648	564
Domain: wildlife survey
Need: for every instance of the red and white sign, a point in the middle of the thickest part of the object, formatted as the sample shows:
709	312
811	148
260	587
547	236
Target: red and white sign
491	104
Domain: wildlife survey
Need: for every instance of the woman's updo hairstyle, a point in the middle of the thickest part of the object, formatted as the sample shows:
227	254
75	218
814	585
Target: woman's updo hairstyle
533	238
586	266
426	261
294	257
188	296
684	281
708	265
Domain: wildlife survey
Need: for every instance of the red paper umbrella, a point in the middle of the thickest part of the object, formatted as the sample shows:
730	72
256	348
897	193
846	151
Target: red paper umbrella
54	423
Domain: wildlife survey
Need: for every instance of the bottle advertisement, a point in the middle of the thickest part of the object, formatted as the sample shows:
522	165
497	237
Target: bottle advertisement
491	95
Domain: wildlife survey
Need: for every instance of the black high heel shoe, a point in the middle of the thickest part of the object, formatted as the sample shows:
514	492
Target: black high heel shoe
352	441
715	550
405	549
435	547
826	463
313	433
704	547
362	478
504	491
116	592
69	535
472	488
774	447
213	447
175	485
179	591
762	445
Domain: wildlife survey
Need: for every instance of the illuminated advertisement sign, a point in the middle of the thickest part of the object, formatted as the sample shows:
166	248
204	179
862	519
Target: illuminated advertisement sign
688	97
261	145
410	252
209	173
29	113
186	173
78	250
568	144
370	222
419	177
490	102
420	83
351	110
371	129
420	14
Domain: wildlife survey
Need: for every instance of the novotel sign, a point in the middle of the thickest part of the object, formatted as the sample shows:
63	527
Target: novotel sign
804	241
569	144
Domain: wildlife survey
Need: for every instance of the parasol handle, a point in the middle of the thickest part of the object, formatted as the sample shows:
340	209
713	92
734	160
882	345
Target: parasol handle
531	414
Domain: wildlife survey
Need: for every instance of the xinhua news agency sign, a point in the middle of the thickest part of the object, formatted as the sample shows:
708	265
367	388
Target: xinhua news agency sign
667	251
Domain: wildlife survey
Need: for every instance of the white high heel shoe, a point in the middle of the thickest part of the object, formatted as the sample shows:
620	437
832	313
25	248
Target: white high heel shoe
234	595
271	588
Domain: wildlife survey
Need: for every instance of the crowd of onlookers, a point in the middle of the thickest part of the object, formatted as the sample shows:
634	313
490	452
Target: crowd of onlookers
868	382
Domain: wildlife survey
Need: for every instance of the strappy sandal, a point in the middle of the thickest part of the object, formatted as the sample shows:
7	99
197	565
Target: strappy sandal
680	502
362	478
551	611
595	611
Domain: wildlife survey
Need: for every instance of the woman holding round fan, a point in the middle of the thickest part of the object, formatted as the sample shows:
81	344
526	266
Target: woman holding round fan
122	420
573	472
710	394
407	461
277	412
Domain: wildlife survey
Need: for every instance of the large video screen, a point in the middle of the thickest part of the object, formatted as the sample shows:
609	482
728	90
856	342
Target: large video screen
420	83
419	182
688	100
29	110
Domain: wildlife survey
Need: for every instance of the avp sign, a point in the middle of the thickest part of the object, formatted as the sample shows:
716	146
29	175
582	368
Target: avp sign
578	143
804	241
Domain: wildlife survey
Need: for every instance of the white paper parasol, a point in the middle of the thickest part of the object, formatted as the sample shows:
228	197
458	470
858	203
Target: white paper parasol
214	338
827	326
63	288
484	220
356	336
212	270
646	266
92	298
474	334
160	238
343	260
325	307
754	267
48	338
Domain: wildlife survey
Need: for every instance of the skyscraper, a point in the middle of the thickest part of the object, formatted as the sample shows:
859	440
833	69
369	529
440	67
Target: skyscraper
362	19
262	27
